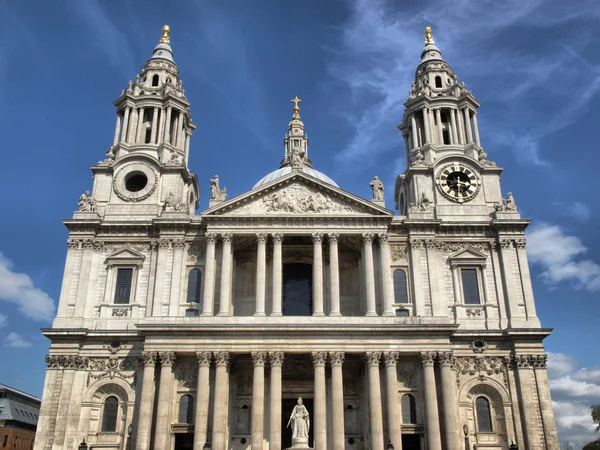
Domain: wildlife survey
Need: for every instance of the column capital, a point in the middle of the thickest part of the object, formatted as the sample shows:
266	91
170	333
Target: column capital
391	358
383	238
221	358
204	358
319	358
336	358
259	358
333	237
227	237
446	359
166	358
372	358
427	358
277	238
317	238
149	358
261	238
276	358
211	238
367	238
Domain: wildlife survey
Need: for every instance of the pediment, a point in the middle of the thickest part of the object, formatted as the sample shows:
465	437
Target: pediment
467	255
297	194
125	256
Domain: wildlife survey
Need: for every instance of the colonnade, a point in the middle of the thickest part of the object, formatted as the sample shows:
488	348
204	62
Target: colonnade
320	359
317	279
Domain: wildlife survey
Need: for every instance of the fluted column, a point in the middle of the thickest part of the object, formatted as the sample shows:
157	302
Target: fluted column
202	397
167	137
415	134
393	417
460	130
476	130
440	131
369	273
221	403
375	409
468	125
337	399
161	127
432	425
317	280
276	359
320	416
125	124
386	281
154	125
276	310
144	426
454	131
426	126
432	126
258	399
449	405
138	133
162	429
209	275
117	129
334	274
225	303
261	272
188	135
133	123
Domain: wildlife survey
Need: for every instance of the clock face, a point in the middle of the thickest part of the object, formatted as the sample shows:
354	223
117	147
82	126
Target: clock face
458	183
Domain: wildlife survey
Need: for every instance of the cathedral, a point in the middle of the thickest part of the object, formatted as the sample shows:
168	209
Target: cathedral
296	314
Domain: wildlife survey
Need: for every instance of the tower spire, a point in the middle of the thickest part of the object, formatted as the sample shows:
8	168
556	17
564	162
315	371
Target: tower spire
296	141
166	33
428	38
295	101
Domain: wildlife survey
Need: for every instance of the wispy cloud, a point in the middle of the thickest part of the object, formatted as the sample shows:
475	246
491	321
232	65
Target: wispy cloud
560	257
18	288
3	321
15	340
378	52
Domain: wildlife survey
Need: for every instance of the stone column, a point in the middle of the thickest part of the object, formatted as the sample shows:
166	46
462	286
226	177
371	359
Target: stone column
181	132
188	135
369	273
162	430
161	126
461	131
117	129
416	247
543	389
208	298
320	406
133	123
426	126
337	399
375	408
221	403
144	426
276	310
454	131
334	274
438	119
154	125
468	125
506	258
530	310
225	303
476	130
258	399
261	273
63	403
386	281
125	124
44	436
168	125
317	281
275	401
449	403
432	425
138	133
413	128
432	126
394	419
202	398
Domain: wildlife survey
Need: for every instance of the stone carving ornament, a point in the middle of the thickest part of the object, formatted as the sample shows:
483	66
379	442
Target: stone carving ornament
86	203
186	374
398	252
481	366
173	203
377	187
507	204
422	205
216	193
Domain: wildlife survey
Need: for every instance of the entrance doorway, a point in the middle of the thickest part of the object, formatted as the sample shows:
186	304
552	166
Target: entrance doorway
184	441
297	289
287	405
411	442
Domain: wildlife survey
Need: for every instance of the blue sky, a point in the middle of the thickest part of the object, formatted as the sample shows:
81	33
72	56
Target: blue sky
533	65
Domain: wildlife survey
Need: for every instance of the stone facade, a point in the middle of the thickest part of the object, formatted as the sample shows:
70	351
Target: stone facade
176	330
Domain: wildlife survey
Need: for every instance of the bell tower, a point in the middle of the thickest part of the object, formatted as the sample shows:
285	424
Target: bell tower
296	141
146	172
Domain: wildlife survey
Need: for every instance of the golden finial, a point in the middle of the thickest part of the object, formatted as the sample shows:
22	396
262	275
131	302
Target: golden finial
428	38
165	36
295	101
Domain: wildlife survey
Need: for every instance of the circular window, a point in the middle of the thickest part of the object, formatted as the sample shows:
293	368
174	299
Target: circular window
136	181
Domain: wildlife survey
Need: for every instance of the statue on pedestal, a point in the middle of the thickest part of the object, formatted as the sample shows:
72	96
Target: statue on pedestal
216	193
377	187
300	421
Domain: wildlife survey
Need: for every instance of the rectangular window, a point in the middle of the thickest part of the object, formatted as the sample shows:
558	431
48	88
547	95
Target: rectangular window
470	287
123	287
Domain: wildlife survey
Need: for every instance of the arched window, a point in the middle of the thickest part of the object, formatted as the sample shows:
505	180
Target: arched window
109	415
194	286
409	409
186	409
400	287
484	417
438	82
155	80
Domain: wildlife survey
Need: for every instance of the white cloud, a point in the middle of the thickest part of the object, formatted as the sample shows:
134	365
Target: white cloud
559	255
580	211
3	321
18	288
573	392
16	341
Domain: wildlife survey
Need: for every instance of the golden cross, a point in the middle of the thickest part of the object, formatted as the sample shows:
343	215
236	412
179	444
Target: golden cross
295	100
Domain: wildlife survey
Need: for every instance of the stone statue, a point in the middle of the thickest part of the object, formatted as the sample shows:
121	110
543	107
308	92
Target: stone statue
216	193
377	187
86	203
297	156
172	203
300	424
507	204
424	203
